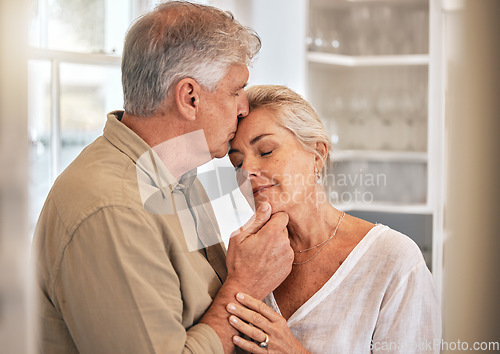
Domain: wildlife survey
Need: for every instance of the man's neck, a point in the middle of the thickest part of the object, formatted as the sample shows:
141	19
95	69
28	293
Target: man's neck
175	142
184	152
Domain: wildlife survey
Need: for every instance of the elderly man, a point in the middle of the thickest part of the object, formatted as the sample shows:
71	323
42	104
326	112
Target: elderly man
128	250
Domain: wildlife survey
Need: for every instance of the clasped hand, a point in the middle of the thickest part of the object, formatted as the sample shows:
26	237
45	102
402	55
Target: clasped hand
259	322
259	256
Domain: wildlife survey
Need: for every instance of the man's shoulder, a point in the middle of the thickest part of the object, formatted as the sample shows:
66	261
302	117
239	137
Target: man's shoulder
101	176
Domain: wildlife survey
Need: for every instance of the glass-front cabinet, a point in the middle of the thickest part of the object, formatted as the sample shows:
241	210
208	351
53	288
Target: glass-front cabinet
368	78
373	71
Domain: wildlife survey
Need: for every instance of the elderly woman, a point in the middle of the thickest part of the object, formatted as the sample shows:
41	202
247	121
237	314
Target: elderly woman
354	287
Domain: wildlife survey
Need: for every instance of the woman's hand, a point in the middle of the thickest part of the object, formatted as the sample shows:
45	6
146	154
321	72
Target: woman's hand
256	320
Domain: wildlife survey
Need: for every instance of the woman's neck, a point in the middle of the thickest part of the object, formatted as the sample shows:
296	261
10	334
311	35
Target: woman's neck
312	224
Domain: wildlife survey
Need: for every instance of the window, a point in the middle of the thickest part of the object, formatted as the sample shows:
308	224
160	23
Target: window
74	80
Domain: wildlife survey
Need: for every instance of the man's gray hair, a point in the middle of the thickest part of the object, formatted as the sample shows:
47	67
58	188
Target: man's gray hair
179	39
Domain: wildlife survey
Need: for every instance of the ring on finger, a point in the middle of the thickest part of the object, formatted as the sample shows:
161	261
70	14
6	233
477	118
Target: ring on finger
264	343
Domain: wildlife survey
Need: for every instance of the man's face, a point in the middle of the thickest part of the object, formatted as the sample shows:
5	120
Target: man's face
219	110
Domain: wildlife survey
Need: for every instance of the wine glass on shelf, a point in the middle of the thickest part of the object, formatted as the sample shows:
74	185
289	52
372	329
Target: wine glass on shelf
419	23
366	118
383	17
385	110
421	118
404	34
372	139
335	42
360	21
336	111
359	110
331	24
316	39
406	120
414	112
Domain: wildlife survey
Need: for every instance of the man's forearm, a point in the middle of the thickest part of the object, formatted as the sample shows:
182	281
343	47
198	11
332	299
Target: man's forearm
217	316
263	245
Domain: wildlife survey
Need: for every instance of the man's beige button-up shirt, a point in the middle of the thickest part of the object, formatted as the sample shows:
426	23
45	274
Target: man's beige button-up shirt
113	276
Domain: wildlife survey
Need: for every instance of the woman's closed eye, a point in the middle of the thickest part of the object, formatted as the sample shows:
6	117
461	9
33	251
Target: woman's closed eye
239	163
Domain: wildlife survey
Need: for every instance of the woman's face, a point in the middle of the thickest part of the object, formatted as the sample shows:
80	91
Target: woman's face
279	168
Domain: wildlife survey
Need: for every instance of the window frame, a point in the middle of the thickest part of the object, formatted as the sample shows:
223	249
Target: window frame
40	52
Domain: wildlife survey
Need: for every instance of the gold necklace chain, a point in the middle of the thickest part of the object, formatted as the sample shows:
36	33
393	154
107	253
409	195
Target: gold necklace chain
322	243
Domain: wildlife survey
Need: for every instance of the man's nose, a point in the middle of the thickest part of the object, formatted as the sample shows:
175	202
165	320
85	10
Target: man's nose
243	108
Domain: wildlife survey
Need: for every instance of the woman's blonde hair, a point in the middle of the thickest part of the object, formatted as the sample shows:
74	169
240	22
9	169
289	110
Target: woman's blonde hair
294	113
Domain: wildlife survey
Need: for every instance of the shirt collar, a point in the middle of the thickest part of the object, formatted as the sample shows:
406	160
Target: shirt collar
123	138
187	179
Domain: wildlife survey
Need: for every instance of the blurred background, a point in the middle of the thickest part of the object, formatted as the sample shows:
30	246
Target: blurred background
407	89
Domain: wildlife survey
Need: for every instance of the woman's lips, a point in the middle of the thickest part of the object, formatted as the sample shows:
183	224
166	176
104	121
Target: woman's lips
259	189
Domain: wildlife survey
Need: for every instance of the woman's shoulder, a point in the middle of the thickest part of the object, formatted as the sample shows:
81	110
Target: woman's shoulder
382	239
395	248
394	240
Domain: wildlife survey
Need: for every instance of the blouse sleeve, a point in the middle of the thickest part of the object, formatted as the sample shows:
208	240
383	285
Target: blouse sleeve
410	318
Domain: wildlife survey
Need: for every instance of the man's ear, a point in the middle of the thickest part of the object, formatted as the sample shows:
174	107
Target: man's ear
187	98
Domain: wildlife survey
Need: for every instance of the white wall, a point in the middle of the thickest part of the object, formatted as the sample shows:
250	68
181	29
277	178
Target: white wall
281	25
471	261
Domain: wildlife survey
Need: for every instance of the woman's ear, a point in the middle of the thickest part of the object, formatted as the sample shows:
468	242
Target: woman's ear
187	98
322	150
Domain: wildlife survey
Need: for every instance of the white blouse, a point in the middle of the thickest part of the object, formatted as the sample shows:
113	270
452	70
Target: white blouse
381	298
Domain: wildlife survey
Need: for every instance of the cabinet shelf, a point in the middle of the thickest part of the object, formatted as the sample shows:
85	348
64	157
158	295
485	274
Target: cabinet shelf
381	170
368	60
74	57
378	155
387	208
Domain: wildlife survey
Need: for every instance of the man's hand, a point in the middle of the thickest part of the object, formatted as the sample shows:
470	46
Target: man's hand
259	255
259	258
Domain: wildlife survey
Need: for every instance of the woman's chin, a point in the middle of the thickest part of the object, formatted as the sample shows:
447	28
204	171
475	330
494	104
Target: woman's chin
275	206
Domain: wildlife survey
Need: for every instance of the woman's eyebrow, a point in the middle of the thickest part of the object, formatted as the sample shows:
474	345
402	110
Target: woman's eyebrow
252	142
257	138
